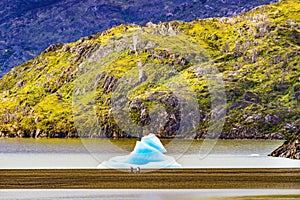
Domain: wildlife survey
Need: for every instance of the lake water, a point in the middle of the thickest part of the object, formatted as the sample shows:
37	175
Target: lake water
131	194
88	153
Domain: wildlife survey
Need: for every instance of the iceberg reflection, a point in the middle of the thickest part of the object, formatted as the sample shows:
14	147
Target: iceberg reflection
147	153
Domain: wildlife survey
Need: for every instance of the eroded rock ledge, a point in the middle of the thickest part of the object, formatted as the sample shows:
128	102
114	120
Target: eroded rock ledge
288	150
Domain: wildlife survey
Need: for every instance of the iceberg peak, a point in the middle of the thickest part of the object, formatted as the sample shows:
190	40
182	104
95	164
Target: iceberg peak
153	141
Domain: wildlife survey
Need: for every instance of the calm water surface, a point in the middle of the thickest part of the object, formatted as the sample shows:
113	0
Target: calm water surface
131	194
88	153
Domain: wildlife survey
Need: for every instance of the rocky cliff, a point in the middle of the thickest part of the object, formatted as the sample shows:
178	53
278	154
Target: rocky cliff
28	27
289	149
256	54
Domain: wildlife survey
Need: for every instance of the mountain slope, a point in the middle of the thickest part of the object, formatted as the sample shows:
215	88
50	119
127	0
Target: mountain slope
28	27
256	52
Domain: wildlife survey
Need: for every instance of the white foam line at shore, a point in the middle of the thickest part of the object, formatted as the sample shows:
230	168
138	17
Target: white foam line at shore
144	194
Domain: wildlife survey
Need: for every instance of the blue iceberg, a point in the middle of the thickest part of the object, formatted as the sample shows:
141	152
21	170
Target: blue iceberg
147	153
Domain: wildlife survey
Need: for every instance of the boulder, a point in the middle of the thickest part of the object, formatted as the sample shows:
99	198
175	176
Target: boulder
239	131
53	47
276	136
250	96
273	119
253	118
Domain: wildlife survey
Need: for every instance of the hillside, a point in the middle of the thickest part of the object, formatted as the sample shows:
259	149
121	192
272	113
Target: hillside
28	27
70	89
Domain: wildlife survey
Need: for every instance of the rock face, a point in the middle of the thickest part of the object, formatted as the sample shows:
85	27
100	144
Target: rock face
172	112
288	150
28	27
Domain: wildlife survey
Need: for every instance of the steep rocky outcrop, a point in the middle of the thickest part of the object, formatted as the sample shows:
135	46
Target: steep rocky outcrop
288	150
172	115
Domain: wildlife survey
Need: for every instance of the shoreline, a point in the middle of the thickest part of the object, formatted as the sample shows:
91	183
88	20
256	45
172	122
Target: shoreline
174	194
237	178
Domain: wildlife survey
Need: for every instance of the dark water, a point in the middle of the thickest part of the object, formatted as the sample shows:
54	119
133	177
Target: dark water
89	153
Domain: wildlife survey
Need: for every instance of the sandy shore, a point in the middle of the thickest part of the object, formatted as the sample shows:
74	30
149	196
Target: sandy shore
159	179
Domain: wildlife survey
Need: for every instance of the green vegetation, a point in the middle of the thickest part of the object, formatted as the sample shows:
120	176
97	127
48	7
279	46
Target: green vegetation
257	53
